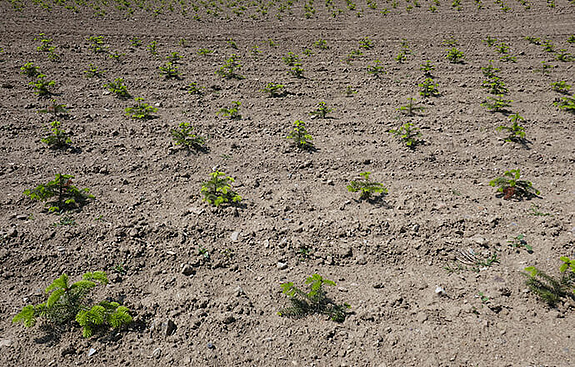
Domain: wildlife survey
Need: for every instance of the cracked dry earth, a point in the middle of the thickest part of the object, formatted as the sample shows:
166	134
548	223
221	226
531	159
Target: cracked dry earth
148	222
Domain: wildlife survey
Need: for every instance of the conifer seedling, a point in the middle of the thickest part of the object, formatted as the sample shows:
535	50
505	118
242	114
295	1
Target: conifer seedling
274	90
141	110
411	108
232	112
300	137
321	111
69	302
455	56
516	132
118	88
30	70
41	86
408	134
185	136
376	69
58	138
315	301
561	87
218	190
230	70
60	194
366	186
510	186
428	88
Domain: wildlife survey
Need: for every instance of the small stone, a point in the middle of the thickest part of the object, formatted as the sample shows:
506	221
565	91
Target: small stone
134	233
228	319
168	328
12	232
440	291
5	343
69	349
235	236
282	265
91	352
187	270
480	240
361	260
156	353
21	217
211	346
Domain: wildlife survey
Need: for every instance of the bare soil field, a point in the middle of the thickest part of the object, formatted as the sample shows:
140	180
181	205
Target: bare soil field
433	269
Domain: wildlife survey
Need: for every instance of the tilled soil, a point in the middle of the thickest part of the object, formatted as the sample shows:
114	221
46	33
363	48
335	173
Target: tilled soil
203	283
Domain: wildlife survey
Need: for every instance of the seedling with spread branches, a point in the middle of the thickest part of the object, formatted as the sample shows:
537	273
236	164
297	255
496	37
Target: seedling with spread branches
233	112
194	88
510	186
93	71
274	90
42	86
118	88
291	59
548	288
321	111
366	186
169	71
315	301
519	242
45	43
296	71
58	138
411	108
97	44
174	57
141	110
566	103
57	109
366	43
230	70
60	194
153	48
489	41
300	137
30	70
427	68
376	69
561	87
218	190
69	302
455	56
428	88
321	44
497	104
184	135
516	132
408	134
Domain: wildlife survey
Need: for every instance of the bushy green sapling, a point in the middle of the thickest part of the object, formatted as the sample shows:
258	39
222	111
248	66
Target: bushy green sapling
566	104
428	88
408	134
376	69
169	71
516	132
69	302
41	86
232	112
510	186
218	190
366	43
561	87
97	44
291	59
58	137
321	111
93	71
299	136
30	70
274	89
455	56
427	68
315	301
411	108
194	88
497	104
321	44
550	289
230	70
118	88
141	110
60	194
366	186
184	135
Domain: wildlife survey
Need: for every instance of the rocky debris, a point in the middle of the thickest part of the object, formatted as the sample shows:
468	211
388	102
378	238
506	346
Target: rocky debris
168	328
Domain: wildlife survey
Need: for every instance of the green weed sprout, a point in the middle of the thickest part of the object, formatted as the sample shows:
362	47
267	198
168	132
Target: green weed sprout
548	46
366	186
401	57
58	138
174	57
519	242
169	71
218	190
68	302
299	135
516	132
428	88
376	69
141	110
153	48
233	112
497	104
116	56
349	91
45	43
274	90
118	88
408	134
533	40
561	87
495	86
185	136
511	186
321	111
230	69
571	38
489	41
566	103
59	194
455	56
411	108
93	71
314	301
42	86
30	70
296	71
135	42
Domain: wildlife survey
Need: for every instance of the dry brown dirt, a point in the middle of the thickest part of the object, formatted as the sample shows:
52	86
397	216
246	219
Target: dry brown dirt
297	218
